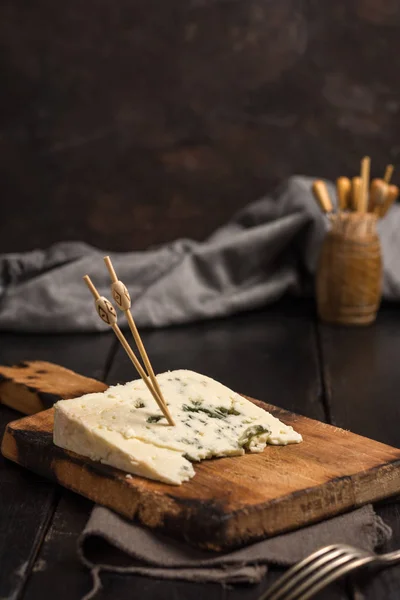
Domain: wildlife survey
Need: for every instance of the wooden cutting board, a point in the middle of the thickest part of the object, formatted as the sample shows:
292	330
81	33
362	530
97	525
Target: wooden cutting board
33	386
230	501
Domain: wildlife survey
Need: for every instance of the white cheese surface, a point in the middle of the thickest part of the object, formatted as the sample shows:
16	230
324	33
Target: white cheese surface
125	428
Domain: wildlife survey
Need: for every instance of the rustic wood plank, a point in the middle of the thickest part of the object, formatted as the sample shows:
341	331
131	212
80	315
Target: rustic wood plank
88	354
362	383
284	355
33	386
221	507
27	501
57	561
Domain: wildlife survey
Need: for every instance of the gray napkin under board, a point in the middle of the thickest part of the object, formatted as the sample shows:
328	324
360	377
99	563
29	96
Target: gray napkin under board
110	543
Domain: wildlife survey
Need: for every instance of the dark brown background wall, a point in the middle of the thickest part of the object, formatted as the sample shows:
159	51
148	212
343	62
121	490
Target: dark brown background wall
130	122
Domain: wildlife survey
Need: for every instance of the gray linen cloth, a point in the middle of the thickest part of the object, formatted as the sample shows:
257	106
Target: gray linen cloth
109	543
267	250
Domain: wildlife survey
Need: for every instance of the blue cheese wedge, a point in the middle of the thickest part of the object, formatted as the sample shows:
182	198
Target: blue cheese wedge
123	426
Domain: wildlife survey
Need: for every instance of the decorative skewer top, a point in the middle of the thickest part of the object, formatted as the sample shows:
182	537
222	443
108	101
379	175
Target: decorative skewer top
121	295
106	311
104	308
118	289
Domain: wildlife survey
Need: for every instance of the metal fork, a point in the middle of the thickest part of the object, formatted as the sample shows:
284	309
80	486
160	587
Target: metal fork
321	568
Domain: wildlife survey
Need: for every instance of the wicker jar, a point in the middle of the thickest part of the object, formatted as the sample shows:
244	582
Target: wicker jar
349	272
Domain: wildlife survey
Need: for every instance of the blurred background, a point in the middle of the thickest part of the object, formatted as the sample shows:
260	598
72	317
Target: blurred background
128	123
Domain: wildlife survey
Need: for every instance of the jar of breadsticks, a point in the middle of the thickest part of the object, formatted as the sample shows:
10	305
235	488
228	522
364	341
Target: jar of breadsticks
349	270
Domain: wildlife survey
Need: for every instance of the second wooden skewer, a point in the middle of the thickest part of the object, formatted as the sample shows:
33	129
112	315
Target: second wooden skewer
107	313
123	299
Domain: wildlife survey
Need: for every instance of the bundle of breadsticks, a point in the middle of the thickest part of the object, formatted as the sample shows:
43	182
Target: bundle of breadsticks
359	194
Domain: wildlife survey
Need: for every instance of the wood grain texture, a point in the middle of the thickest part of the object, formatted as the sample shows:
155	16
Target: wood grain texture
88	353
361	381
230	501
28	501
361	378
33	386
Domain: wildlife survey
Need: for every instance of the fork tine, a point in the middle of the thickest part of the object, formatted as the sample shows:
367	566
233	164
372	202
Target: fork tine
380	561
302	570
292	585
341	570
320	575
297	572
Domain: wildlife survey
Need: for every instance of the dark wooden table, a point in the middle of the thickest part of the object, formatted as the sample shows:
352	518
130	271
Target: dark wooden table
348	377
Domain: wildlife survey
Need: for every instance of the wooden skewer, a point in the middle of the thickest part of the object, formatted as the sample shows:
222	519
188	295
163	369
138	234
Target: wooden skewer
107	313
364	193
343	187
355	192
321	195
392	193
123	299
388	173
